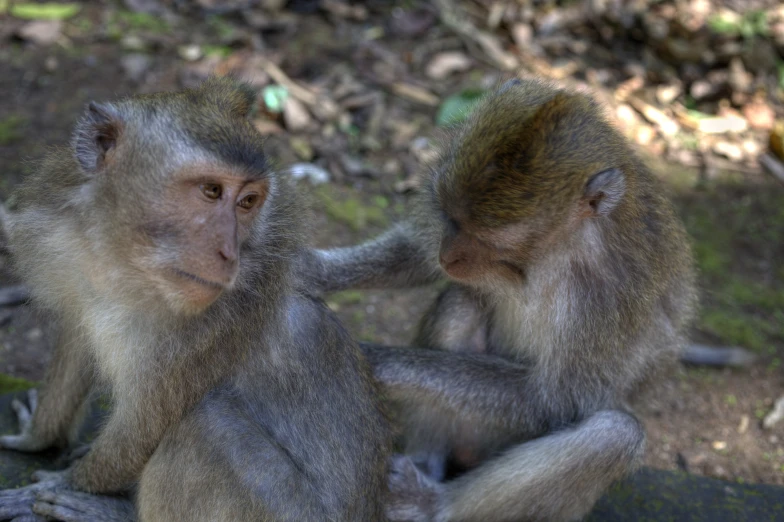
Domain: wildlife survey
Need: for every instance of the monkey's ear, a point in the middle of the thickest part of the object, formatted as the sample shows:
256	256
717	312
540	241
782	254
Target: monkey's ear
96	134
603	192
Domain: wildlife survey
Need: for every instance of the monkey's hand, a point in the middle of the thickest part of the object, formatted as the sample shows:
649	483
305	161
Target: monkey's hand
75	506
17	504
26	440
413	497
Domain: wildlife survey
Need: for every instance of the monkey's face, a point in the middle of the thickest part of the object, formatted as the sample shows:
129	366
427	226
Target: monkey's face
482	255
192	235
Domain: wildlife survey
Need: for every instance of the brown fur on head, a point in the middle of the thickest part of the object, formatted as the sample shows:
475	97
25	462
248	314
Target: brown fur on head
522	175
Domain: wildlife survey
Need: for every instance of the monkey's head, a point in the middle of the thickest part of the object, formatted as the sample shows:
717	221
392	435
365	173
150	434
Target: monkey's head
175	184
531	169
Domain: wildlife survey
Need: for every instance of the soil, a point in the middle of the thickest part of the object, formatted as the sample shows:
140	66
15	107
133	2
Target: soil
702	420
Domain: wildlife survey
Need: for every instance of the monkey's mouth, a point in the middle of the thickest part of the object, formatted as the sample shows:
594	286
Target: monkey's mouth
193	277
512	269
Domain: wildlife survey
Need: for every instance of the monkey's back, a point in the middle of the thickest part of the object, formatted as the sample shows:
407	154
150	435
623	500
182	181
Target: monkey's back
304	405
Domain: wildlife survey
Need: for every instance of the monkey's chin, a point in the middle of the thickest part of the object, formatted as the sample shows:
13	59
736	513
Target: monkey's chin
188	302
187	294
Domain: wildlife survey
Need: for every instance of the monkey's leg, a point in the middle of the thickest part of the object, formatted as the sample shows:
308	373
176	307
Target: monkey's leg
454	323
52	419
395	259
556	477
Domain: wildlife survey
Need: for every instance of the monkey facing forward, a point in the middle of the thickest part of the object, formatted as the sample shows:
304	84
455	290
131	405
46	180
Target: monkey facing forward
162	247
571	283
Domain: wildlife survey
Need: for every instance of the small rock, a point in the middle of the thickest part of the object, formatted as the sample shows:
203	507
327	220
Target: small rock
51	64
759	114
14	295
135	66
190	53
523	35
744	424
295	115
751	148
313	173
666	94
703	89
34	334
41	32
729	150
132	42
444	64
644	135
719	445
356	167
391	167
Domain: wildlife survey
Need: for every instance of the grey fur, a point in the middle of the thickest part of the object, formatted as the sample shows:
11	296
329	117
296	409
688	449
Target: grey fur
540	405
259	405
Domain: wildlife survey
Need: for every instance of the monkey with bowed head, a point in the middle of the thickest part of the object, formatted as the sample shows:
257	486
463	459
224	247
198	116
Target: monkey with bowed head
161	246
571	284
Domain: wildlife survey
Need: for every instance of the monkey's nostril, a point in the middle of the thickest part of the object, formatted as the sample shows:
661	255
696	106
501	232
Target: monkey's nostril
227	255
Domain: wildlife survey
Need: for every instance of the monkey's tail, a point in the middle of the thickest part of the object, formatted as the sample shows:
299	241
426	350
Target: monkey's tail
702	355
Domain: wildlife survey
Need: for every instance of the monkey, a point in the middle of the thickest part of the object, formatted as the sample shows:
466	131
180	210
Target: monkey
162	246
570	284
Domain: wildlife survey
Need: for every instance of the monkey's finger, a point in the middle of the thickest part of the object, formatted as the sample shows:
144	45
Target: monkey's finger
22	413
73	500
32	399
57	512
13	442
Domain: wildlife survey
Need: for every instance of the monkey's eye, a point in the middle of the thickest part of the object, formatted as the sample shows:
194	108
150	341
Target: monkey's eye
249	201
211	190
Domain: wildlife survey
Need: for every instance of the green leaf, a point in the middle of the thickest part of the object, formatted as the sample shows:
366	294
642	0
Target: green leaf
724	25
274	97
458	107
44	11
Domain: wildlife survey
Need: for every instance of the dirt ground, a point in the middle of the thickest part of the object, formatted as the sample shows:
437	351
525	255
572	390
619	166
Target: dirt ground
365	56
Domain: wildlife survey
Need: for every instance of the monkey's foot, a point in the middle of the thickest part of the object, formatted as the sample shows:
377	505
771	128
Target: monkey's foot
432	464
413	497
25	441
76	506
17	504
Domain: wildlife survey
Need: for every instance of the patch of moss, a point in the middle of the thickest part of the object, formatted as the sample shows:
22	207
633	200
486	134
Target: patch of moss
737	230
9	384
350	210
143	21
10	129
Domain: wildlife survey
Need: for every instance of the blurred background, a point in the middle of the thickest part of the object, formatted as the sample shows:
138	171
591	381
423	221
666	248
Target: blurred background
354	99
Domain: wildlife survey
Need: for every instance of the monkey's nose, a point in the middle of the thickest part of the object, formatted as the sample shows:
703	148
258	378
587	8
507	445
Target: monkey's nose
228	255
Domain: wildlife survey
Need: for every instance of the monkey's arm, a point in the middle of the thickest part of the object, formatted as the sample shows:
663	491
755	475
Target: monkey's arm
119	453
395	259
